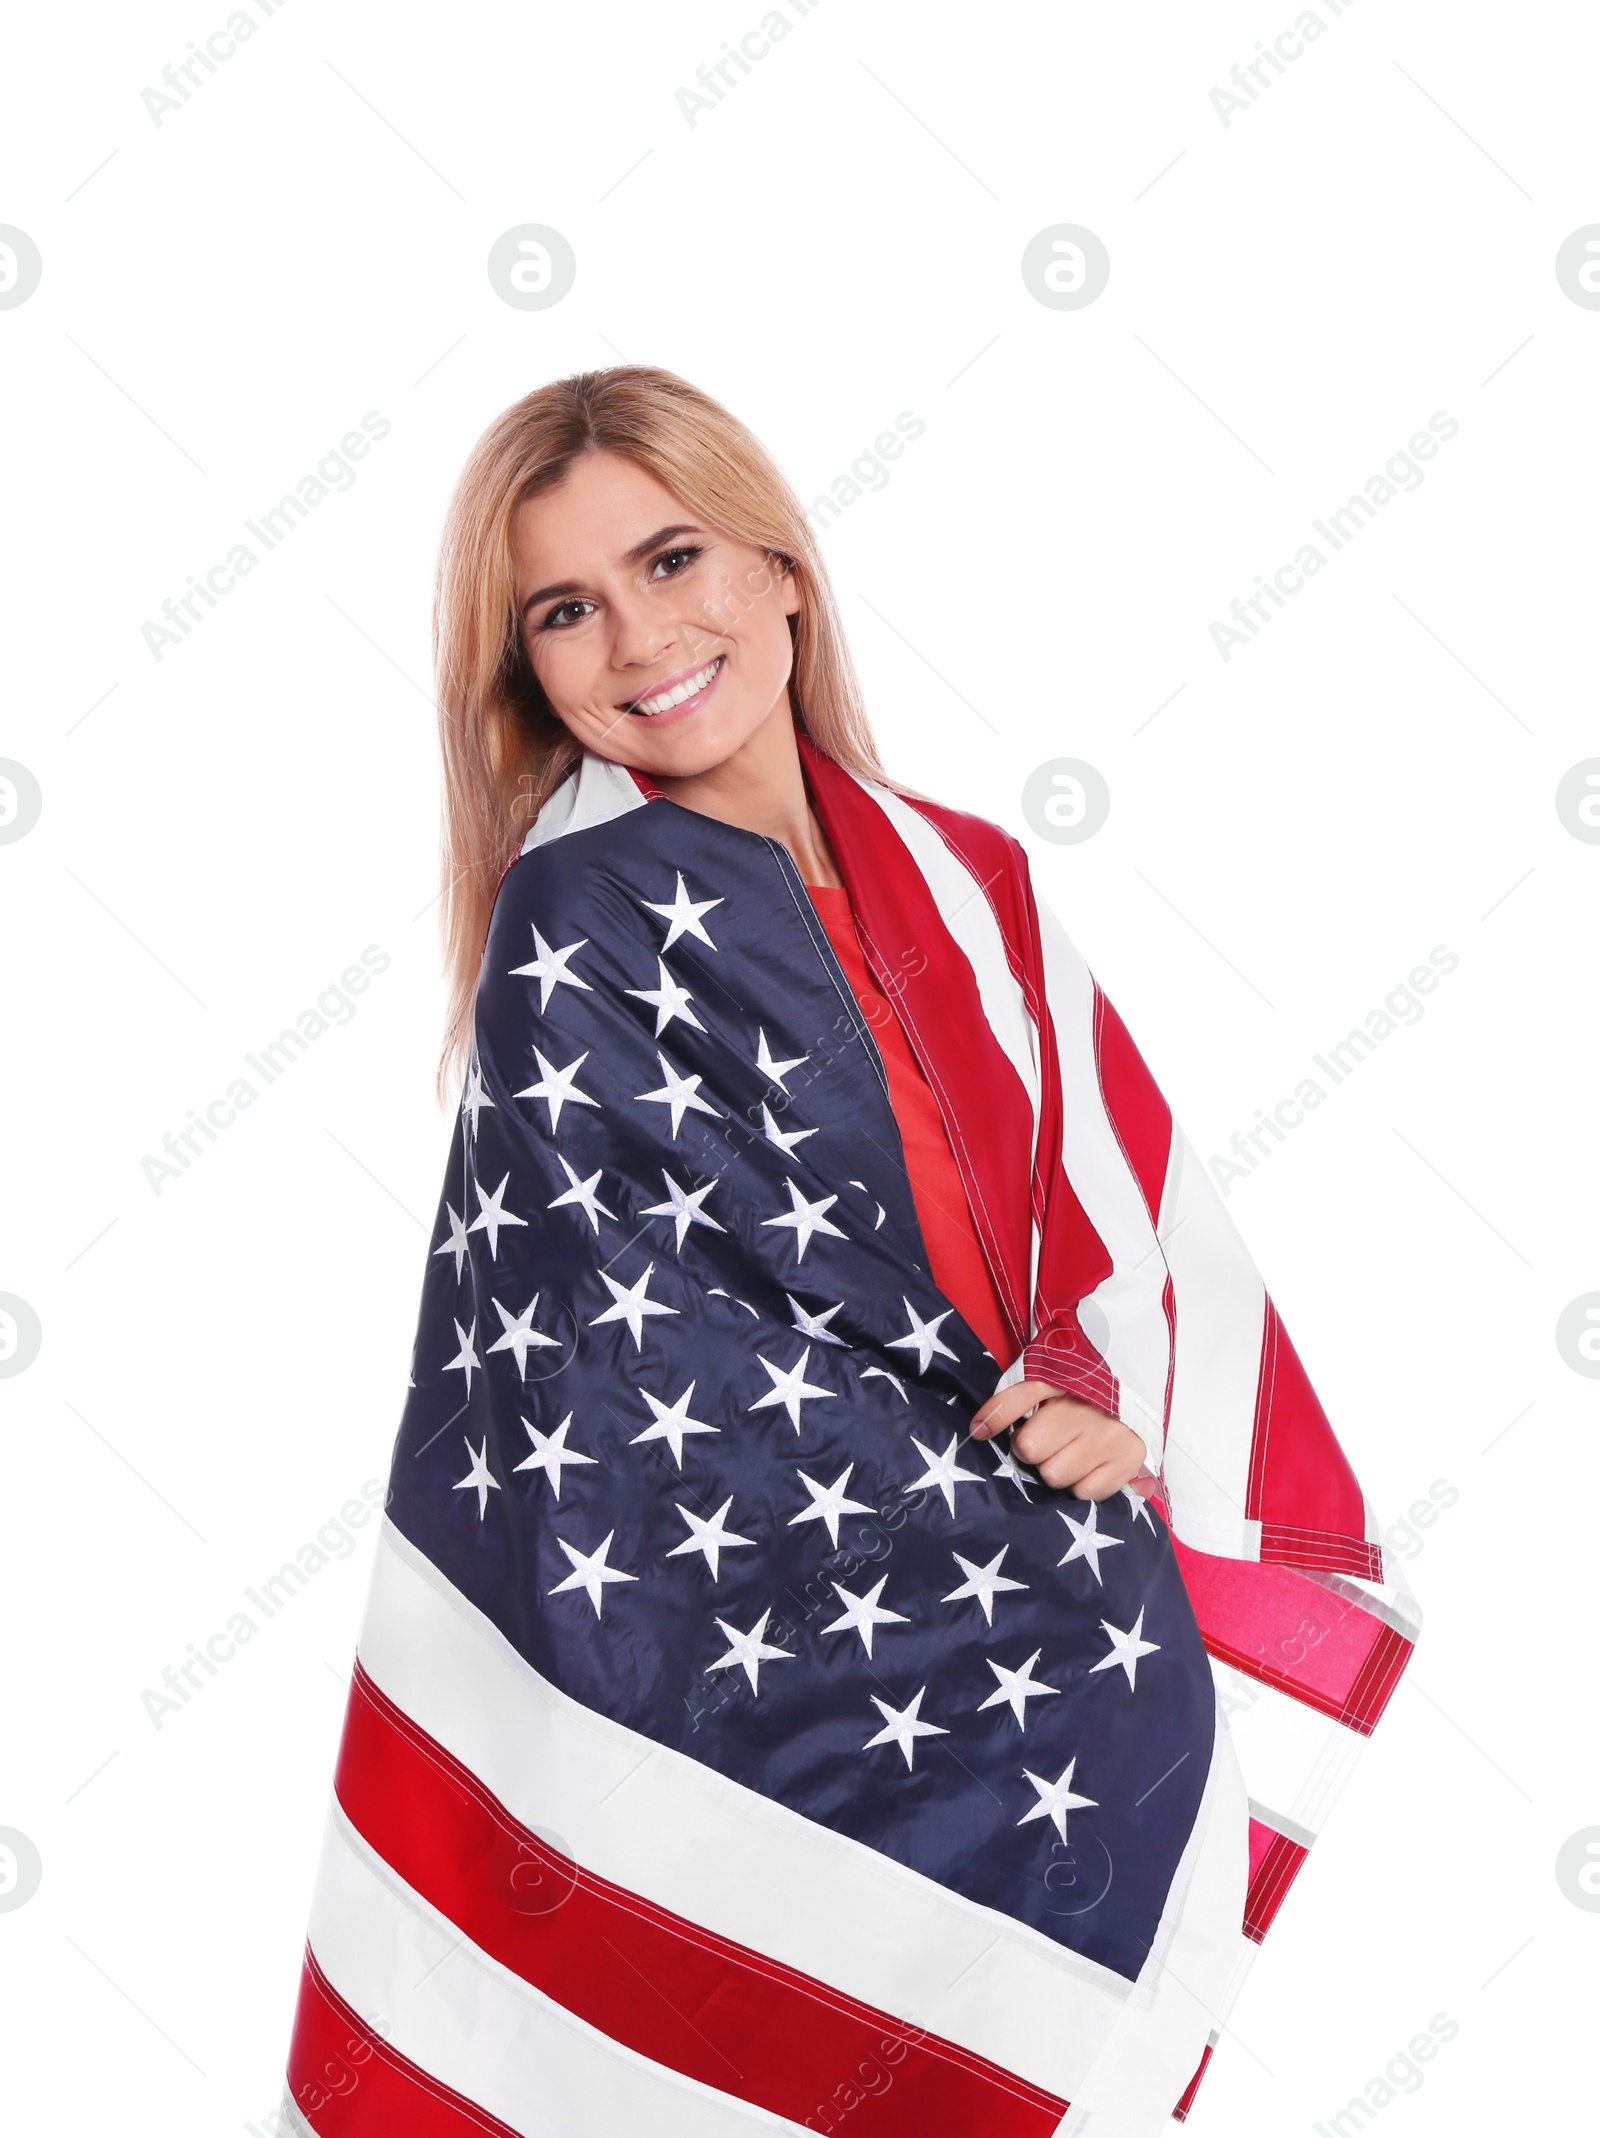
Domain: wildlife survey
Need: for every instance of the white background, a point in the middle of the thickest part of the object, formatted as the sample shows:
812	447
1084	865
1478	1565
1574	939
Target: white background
223	830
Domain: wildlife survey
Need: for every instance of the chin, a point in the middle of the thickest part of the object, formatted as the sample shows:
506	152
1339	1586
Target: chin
687	750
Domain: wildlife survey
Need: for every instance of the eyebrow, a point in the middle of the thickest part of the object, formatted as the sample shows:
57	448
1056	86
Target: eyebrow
636	555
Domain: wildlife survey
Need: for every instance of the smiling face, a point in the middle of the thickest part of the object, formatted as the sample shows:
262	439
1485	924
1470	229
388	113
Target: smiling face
659	641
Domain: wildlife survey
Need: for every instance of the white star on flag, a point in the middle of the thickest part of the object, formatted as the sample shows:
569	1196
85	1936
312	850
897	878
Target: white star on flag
681	1093
829	1502
479	1474
1056	1799
862	1613
549	968
815	1324
789	1387
901	1726
943	1471
629	1303
466	1358
683	1204
806	1218
550	1451
1087	1542
521	1336
582	1192
882	1373
670	1000
1137	1507
491	1216
748	1650
923	1337
683	915
590	1571
983	1582
1016	1687
1010	1471
457	1243
708	1537
474	1099
775	1072
1126	1648
784	1139
556	1088
672	1421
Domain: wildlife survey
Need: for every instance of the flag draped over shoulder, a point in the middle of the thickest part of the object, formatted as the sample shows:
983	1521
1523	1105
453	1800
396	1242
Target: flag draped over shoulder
734	1744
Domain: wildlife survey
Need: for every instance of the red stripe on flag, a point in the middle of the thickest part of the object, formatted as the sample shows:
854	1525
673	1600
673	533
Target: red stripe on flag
1302	1490
349	2083
665	1987
1291	1632
1319	1551
1137	1111
1181	2112
1381	1673
1274	1860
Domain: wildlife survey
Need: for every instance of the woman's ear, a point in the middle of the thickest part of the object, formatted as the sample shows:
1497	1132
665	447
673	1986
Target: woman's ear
791	583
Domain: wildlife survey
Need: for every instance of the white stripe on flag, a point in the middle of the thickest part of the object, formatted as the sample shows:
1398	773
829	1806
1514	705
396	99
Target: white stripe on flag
1296	1758
1220	1317
593	793
466	2020
1123	1317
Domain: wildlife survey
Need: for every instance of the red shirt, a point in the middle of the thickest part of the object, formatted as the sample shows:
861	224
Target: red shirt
955	1254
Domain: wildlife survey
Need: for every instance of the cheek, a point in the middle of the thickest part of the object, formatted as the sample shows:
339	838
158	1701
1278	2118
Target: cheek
764	632
564	673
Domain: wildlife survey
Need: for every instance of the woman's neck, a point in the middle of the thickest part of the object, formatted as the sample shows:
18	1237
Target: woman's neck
762	788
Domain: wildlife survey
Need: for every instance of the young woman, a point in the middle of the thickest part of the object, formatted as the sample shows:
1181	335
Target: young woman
787	1697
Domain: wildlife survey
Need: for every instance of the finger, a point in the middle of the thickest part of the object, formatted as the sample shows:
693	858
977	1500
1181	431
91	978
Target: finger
1052	1430
1101	1482
1007	1405
1064	1468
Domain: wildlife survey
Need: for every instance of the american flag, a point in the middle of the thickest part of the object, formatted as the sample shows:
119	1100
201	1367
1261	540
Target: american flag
734	1744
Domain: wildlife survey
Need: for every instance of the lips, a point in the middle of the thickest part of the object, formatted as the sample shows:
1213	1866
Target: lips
673	693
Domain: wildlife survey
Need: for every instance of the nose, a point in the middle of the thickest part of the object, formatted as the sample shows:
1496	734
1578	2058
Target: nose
641	634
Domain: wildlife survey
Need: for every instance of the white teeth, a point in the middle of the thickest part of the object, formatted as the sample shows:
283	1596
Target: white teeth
665	700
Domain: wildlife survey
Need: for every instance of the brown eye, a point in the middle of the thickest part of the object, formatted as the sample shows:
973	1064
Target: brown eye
688	554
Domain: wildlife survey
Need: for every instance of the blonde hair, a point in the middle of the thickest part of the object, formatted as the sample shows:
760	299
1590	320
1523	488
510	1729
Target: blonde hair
505	751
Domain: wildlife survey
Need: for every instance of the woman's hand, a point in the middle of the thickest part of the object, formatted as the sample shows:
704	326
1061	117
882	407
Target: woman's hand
1070	1443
